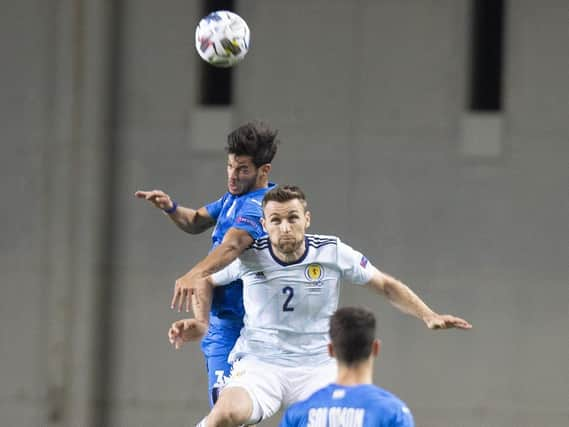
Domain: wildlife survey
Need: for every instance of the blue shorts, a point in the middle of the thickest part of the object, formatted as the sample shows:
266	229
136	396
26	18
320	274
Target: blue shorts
216	346
218	369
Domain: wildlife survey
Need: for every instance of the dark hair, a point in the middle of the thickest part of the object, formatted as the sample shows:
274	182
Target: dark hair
255	139
352	331
284	193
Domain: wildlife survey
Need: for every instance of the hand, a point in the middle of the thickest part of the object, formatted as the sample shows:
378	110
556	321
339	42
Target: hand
446	321
183	291
157	197
185	330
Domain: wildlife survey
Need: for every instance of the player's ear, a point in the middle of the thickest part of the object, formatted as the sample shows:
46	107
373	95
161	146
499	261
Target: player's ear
307	216
265	170
263	224
375	347
331	350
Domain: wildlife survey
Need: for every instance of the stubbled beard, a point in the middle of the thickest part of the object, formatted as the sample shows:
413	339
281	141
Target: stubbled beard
246	186
289	247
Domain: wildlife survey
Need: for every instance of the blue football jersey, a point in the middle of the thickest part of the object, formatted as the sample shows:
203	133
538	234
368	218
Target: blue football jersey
363	405
231	211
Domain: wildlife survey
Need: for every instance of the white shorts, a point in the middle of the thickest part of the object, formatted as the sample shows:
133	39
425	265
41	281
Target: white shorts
271	386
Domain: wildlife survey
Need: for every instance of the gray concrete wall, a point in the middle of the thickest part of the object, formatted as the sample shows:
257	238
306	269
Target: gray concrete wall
23	123
369	98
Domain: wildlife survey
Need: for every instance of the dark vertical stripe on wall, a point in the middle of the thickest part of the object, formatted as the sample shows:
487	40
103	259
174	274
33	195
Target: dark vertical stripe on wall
487	32
108	288
216	84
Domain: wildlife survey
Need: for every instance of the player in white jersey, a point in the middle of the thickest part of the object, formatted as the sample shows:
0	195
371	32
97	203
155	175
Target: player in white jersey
288	304
291	286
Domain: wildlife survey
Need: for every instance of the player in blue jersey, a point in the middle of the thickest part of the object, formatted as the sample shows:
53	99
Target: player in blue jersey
352	400
291	285
236	217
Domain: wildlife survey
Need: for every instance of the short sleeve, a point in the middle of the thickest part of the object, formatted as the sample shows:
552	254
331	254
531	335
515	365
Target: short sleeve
403	418
249	219
229	274
354	266
214	208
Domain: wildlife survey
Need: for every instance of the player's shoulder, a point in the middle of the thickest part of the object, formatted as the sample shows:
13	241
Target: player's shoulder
260	244
301	407
258	252
321	395
223	198
387	403
256	197
297	413
251	203
381	393
319	240
297	409
250	206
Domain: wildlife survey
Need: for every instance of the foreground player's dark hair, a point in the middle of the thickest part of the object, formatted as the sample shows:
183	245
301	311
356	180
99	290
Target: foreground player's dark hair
255	139
284	193
352	331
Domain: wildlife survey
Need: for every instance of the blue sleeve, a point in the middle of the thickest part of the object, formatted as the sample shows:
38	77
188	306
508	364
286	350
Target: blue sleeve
214	208
249	219
403	418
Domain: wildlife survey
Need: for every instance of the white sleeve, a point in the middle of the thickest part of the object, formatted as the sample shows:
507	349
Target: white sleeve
354	266
229	274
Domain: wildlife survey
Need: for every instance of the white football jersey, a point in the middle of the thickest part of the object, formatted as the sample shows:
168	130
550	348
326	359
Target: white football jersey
288	306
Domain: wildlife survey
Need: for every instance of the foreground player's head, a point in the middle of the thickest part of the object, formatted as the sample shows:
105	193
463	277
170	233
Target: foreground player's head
352	332
286	218
250	151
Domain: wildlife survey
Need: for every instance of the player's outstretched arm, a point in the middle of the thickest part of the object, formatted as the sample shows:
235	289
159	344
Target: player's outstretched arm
408	302
187	219
234	243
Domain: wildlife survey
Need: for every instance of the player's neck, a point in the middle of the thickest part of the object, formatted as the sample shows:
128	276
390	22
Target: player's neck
356	374
262	182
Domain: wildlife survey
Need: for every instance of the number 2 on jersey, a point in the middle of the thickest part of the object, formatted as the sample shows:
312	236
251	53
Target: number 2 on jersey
287	290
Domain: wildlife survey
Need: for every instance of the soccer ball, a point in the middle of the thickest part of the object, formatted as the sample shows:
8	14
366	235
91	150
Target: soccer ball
222	38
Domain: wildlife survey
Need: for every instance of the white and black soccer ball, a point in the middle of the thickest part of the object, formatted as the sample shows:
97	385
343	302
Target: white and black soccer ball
222	38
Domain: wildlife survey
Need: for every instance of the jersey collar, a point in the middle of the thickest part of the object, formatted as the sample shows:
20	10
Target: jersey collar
298	261
270	186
